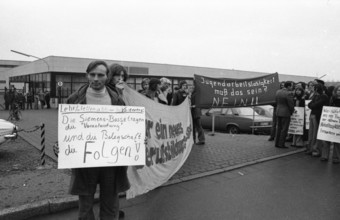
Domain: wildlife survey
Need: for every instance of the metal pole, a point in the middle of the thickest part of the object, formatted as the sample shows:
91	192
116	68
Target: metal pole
42	155
252	129
213	125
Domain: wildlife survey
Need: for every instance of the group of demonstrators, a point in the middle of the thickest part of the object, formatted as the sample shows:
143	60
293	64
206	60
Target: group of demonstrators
317	95
160	91
106	87
16	99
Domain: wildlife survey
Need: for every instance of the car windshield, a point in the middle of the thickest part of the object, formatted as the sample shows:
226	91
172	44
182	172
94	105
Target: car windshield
244	111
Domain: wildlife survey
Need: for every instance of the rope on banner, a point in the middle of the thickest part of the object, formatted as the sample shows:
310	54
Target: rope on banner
42	151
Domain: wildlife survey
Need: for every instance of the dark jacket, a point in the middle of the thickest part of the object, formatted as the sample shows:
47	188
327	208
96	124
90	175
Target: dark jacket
334	102
316	105
285	103
195	111
178	97
79	175
299	102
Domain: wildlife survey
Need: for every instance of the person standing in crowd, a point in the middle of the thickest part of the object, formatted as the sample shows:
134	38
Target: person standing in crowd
164	90
117	77
36	101
319	100
152	92
11	97
145	86
285	108
274	121
282	84
326	145
310	90
21	100
179	96
112	180
15	99
7	99
47	99
299	101
30	99
196	119
171	93
335	102
41	96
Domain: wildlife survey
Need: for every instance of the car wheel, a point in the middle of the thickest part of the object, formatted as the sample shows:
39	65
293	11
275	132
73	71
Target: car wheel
233	129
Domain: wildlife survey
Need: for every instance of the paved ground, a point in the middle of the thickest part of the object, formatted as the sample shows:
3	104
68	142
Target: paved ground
221	153
293	187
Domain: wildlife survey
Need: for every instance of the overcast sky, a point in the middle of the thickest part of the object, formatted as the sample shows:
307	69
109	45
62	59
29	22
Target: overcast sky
299	37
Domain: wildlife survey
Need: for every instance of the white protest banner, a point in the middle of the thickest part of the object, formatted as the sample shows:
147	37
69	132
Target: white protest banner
329	126
100	135
307	113
169	142
296	121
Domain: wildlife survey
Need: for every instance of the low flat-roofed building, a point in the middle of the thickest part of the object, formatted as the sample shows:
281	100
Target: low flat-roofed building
6	65
45	74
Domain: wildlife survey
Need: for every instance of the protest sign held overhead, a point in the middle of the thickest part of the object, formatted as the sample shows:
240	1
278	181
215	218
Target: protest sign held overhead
297	121
169	142
100	135
329	127
223	92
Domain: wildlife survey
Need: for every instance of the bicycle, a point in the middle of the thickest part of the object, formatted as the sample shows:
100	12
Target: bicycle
15	113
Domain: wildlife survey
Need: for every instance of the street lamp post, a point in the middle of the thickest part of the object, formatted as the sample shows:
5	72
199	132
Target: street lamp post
322	76
29	55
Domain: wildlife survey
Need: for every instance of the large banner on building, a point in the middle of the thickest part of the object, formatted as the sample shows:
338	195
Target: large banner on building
100	135
297	121
169	142
329	127
222	92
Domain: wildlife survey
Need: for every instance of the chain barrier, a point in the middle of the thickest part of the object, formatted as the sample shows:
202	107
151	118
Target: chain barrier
35	128
42	142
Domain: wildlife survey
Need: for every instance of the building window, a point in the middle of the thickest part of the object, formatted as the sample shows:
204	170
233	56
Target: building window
139	70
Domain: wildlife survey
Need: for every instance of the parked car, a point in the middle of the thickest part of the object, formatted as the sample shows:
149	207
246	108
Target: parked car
265	110
8	131
236	120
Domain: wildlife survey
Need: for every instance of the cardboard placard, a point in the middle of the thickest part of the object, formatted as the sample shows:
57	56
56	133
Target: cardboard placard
296	121
329	127
100	135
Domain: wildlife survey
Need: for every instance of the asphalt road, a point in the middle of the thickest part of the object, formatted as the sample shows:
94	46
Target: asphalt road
293	187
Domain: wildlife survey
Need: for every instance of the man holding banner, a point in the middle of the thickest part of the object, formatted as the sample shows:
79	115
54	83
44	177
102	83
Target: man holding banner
112	180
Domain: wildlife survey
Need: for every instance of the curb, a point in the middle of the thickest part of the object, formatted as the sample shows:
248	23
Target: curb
50	206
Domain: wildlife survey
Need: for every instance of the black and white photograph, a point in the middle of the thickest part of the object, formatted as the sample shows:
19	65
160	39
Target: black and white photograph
170	110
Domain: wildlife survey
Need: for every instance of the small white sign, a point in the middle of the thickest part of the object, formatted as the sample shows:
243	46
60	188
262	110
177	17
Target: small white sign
329	127
100	135
60	83
296	121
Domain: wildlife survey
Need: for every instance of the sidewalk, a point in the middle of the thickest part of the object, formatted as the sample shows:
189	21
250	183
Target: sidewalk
294	187
222	152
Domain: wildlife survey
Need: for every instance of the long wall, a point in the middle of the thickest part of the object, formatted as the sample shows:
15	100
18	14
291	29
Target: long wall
78	65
